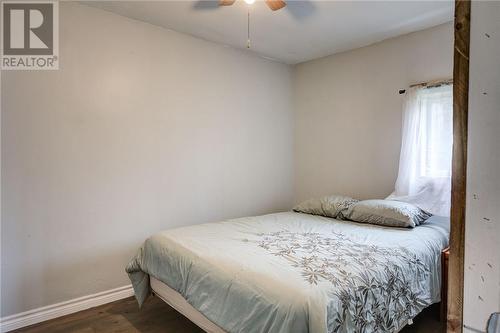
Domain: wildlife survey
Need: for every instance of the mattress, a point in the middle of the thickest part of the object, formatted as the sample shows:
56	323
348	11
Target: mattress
293	272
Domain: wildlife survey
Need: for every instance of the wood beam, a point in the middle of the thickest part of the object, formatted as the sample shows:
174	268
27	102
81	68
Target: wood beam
459	166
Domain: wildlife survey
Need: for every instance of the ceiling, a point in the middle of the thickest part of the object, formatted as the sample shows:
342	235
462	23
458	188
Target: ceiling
302	31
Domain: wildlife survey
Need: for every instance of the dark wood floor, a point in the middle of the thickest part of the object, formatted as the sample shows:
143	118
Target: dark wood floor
156	316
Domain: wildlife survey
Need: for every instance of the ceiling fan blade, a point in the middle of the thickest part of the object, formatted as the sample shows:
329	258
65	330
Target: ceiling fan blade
206	5
226	2
275	4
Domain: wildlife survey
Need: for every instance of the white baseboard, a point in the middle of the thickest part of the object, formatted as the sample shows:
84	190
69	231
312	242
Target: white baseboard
35	316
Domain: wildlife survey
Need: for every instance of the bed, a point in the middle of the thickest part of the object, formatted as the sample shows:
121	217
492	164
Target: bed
294	272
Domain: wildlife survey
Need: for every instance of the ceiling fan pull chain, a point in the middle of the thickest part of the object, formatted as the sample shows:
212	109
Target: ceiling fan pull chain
248	28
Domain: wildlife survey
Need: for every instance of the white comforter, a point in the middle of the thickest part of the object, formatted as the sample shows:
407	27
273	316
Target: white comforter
293	272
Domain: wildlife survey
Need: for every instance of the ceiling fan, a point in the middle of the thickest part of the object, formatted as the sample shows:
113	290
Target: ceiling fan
272	4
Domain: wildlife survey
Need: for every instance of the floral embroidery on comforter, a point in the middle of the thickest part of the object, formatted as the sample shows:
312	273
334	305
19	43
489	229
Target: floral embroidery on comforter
373	283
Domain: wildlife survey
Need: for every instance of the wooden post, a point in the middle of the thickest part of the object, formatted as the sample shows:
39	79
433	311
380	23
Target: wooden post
459	166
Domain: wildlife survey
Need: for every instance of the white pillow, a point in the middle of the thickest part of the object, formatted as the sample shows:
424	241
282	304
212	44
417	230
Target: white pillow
389	213
330	206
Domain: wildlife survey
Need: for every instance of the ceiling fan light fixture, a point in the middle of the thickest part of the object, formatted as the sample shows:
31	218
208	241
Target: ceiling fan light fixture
249	2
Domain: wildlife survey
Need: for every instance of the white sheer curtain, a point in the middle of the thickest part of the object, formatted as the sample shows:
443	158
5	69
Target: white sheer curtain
424	177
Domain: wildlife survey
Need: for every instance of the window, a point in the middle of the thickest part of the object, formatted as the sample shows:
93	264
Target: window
425	162
437	131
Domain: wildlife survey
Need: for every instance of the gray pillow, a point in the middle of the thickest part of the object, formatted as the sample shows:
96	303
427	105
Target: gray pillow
330	206
389	213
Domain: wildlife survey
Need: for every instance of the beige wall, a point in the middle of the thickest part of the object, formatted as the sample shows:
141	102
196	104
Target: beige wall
141	129
482	228
348	112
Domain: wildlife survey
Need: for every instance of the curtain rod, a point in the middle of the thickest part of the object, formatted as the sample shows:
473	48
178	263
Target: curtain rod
432	84
429	84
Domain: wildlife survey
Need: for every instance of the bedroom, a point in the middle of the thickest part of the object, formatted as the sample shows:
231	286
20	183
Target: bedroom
158	116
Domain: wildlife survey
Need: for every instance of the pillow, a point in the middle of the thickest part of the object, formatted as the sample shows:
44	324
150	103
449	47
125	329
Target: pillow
330	206
389	213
